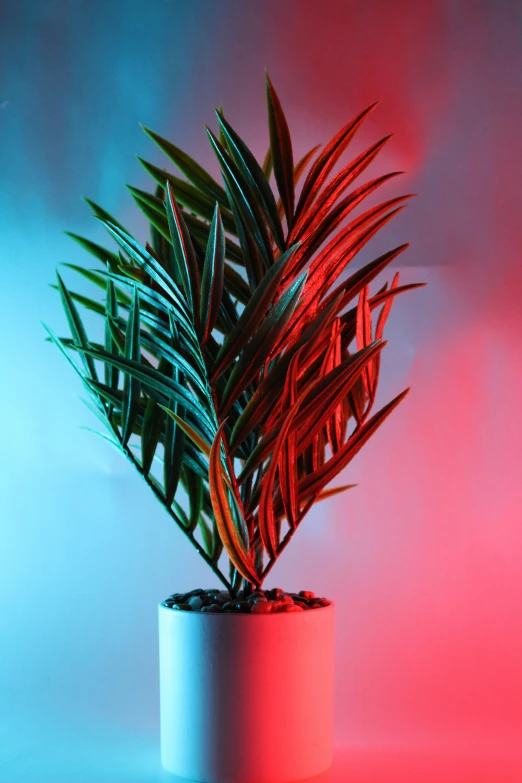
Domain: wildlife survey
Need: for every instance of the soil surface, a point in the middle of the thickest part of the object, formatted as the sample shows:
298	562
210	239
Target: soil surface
270	601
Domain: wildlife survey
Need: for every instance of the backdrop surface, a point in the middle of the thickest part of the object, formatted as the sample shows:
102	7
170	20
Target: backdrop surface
423	558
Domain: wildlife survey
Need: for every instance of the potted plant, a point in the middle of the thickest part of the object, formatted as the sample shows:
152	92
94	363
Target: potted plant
236	360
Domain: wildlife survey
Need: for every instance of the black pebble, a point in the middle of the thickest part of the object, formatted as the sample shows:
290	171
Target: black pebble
241	606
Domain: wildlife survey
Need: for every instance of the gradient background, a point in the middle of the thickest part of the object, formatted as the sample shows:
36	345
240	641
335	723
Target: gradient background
424	558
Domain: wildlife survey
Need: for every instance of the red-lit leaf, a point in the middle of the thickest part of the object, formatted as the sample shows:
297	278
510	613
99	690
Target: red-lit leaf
349	318
379	330
314	416
326	269
328	493
310	219
318	450
327	160
321	395
311	242
314	484
266	518
333	359
267	395
227	526
288	457
363	335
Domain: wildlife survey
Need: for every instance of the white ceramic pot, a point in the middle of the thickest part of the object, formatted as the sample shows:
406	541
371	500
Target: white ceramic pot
246	698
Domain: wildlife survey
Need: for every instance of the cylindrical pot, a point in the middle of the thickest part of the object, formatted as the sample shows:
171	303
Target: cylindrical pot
246	698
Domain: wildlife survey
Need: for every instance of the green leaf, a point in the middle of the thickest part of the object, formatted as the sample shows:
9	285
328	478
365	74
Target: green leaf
150	377
111	310
260	345
174	445
252	315
160	244
267	164
154	208
153	420
163	349
99	252
132	386
186	263
173	457
206	536
181	513
98	278
157	219
118	337
113	396
105	437
151	266
193	459
90	304
190	197
195	493
76	326
196	438
282	155
212	280
157	300
236	285
100	213
59	343
190	168
247	206
250	253
254	175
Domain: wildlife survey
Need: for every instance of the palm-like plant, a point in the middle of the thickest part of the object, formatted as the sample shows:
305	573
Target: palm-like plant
228	344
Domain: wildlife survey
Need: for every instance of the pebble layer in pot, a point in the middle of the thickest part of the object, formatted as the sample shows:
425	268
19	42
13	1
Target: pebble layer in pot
237	373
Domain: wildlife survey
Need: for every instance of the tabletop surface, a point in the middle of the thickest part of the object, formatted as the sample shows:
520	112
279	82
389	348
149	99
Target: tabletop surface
90	756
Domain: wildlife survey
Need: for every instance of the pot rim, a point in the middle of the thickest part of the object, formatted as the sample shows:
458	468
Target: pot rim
161	605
